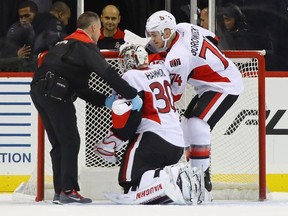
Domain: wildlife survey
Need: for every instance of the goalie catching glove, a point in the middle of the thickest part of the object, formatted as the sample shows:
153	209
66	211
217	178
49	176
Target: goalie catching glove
108	146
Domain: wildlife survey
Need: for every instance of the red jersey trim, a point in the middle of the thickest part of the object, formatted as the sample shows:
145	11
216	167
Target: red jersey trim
41	57
128	153
80	35
149	111
207	74
217	38
210	105
174	41
156	57
118	34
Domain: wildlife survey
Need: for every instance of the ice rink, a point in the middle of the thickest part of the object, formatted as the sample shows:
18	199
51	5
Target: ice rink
275	205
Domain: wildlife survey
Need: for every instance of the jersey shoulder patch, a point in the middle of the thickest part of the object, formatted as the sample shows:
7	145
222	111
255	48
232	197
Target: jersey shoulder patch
175	62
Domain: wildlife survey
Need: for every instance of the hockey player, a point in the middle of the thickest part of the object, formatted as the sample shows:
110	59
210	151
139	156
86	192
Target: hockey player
149	173
192	59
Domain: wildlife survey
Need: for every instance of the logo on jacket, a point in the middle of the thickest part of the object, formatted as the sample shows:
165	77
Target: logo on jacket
175	62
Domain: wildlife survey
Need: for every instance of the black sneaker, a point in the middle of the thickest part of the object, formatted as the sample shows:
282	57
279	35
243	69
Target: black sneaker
73	197
207	180
56	199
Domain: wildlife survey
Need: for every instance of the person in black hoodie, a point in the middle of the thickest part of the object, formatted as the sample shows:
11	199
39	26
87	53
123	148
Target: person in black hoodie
49	26
62	76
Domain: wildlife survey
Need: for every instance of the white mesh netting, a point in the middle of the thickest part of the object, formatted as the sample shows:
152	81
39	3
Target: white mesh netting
234	154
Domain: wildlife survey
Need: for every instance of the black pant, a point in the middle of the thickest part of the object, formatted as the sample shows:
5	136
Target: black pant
198	105
59	119
151	152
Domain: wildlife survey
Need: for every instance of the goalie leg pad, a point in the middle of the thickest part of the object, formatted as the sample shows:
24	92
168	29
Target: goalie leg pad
189	180
155	188
160	192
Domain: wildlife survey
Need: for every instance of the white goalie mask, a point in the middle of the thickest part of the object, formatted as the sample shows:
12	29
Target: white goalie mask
160	21
132	56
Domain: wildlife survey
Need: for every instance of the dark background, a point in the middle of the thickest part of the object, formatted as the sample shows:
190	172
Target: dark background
263	16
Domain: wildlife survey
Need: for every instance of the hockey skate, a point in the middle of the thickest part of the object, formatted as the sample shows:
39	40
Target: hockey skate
108	146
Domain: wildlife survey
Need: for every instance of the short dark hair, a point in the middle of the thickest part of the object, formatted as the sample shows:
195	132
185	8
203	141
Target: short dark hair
86	19
60	6
32	5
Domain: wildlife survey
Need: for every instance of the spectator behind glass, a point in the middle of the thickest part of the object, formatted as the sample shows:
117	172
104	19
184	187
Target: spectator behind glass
111	36
49	26
22	33
204	19
20	39
233	18
9	61
235	28
238	34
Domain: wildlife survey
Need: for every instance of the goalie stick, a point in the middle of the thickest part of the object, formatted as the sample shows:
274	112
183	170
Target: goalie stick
133	38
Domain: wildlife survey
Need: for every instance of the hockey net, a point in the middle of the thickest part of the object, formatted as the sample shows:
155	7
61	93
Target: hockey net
237	148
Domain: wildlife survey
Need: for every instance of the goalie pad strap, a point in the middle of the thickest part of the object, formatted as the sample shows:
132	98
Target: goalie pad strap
157	173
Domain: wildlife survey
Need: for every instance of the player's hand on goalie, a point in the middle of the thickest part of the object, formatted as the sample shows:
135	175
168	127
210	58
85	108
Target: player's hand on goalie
137	103
108	146
109	101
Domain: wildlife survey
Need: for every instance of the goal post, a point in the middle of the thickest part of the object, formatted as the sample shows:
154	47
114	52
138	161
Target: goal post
238	154
261	112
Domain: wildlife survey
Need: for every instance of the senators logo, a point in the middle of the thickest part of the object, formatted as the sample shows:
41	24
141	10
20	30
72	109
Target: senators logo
175	62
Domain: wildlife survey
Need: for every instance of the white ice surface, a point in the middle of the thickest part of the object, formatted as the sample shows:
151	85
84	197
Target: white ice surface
275	205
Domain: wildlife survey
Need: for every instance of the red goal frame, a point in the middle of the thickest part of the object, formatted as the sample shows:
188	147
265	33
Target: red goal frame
262	128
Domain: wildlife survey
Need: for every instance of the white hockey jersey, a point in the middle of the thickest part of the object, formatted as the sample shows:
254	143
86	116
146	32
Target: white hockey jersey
193	59
159	113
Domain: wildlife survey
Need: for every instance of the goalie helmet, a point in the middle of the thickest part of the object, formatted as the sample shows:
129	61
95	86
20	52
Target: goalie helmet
160	21
132	56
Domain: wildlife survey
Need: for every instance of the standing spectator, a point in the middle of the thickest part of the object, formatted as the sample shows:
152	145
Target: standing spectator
194	60
155	136
111	36
49	26
22	33
238	34
204	18
61	77
233	18
204	22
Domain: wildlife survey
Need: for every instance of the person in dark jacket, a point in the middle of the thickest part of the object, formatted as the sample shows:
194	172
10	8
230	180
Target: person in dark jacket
22	34
62	76
49	26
